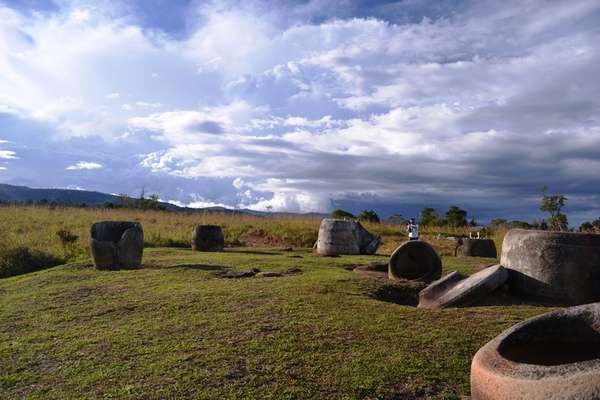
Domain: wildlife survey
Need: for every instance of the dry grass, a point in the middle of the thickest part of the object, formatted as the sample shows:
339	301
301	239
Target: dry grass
36	227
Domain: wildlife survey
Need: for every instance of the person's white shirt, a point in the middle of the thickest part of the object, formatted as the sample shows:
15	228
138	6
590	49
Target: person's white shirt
413	231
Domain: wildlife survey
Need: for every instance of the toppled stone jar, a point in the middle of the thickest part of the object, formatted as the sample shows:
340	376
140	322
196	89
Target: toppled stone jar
208	238
552	356
415	260
340	236
117	244
561	267
458	290
467	247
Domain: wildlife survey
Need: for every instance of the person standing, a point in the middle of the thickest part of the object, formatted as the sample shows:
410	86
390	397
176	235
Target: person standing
413	230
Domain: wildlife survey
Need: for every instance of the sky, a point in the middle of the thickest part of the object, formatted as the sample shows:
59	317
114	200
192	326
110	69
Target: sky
307	105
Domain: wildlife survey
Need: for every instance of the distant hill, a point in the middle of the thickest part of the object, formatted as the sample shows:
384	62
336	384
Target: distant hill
11	193
24	194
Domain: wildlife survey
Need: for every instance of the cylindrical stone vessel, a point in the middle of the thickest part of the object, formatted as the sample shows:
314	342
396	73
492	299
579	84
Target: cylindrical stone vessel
208	238
561	267
552	356
415	260
476	248
338	236
117	244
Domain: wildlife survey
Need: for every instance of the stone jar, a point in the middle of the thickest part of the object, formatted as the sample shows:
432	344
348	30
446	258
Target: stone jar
117	244
552	356
561	267
467	247
415	260
208	238
341	236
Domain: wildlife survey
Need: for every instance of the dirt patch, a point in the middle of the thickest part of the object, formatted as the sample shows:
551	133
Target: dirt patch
260	238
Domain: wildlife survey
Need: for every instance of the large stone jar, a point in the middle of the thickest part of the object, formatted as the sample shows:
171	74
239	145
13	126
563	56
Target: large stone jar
415	260
552	356
561	267
341	236
208	238
476	248
117	244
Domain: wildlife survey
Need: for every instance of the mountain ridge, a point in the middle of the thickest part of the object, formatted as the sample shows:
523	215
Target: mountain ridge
76	197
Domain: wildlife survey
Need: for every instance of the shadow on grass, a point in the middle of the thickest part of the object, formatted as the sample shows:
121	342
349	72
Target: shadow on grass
503	298
397	294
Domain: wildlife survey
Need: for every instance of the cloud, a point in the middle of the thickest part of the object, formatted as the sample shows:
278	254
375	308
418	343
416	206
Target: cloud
8	155
84	165
302	106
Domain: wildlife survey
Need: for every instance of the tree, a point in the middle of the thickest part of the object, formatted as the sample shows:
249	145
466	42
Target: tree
430	217
456	217
498	222
396	219
368	216
590	226
553	205
341	214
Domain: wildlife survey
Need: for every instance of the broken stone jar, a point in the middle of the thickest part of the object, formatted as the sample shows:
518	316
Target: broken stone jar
117	244
341	236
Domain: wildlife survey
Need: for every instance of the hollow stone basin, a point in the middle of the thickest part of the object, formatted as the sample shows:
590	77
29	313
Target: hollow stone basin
561	267
552	356
415	260
208	238
117	244
475	248
340	236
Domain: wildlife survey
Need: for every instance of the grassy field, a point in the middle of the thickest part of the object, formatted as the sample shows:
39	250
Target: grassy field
174	330
36	227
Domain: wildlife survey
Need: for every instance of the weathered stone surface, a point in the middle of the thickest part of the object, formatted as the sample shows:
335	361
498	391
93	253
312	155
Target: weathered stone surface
208	238
367	242
104	254
552	356
117	244
415	260
475	248
455	289
560	267
131	248
339	236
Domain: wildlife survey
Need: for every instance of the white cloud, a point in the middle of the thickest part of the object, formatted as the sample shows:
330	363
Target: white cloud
84	165
80	15
146	104
283	113
8	155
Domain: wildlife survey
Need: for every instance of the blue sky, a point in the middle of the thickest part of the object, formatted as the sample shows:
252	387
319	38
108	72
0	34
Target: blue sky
307	105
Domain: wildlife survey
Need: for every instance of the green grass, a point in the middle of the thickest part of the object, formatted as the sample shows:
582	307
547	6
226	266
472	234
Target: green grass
174	330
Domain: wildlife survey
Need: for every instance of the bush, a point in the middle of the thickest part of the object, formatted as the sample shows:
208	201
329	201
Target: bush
342	214
67	241
21	260
369	216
